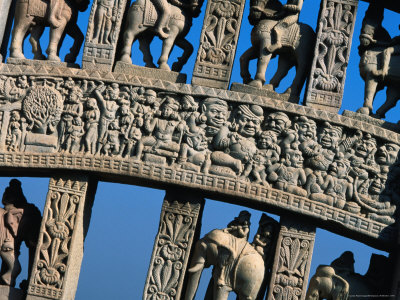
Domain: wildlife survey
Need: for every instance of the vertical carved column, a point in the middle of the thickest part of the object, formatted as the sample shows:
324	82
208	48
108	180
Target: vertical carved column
292	262
102	34
218	43
179	225
332	52
59	252
7	8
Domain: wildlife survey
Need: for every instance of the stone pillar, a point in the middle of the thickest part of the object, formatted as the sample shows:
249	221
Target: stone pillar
331	55
59	252
292	262
218	43
7	8
102	34
179	227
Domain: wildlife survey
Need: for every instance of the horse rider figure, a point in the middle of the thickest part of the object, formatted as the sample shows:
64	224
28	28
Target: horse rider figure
288	16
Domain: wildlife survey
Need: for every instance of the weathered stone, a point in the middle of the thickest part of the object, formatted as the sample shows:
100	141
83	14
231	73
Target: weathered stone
179	226
372	120
332	51
129	69
10	293
292	260
218	43
265	91
59	253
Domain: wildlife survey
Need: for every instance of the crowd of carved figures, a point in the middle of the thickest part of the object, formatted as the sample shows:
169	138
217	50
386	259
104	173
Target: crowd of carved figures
347	169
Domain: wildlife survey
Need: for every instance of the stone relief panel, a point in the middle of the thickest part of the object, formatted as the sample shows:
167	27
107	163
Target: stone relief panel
238	266
340	167
218	43
332	51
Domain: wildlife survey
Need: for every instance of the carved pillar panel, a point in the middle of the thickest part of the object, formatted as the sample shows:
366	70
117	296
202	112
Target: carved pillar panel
179	225
102	34
331	56
59	252
218	43
292	262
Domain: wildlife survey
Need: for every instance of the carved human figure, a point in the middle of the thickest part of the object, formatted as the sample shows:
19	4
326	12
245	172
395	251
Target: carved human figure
216	114
108	110
73	135
143	105
386	155
20	221
289	174
18	87
91	117
268	147
104	18
306	138
112	141
336	187
73	108
238	140
161	128
14	134
125	123
280	123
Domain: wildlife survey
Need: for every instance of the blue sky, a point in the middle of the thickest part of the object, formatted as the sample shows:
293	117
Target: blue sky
125	218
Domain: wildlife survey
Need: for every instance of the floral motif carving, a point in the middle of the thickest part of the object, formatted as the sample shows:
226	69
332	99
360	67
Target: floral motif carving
171	250
63	210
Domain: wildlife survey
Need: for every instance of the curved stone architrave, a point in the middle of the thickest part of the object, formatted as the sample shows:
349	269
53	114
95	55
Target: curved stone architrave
253	162
194	90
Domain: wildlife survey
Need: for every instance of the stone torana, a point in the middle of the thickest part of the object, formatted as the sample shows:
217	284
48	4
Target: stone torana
290	154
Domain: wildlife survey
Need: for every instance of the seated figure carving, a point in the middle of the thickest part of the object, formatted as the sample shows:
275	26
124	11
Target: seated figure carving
277	32
238	265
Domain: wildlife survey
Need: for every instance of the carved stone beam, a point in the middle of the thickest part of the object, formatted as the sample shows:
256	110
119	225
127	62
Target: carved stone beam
218	43
179	227
59	252
102	34
331	56
292	262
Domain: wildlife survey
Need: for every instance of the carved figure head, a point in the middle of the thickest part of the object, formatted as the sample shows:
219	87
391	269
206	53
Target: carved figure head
151	96
267	227
75	95
216	112
365	147
329	136
169	107
248	120
240	225
13	194
340	167
387	154
267	139
278	122
124	110
15	116
306	129
77	121
112	92
22	81
377	184
91	104
294	158
197	140
189	104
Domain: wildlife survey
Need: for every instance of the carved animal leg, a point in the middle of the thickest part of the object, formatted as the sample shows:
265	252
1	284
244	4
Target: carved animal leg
371	85
36	33
247	56
392	96
187	48
167	46
19	31
73	30
298	81
55	37
10	268
284	65
144	46
126	52
221	292
262	65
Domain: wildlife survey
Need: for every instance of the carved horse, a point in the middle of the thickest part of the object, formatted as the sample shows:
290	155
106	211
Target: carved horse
35	23
179	23
245	273
374	39
297	48
325	284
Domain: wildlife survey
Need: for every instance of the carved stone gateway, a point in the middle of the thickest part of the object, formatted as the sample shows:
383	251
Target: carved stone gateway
113	121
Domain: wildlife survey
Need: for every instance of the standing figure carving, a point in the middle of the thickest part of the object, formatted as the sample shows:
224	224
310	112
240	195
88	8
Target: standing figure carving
380	57
31	17
19	222
238	265
277	32
170	20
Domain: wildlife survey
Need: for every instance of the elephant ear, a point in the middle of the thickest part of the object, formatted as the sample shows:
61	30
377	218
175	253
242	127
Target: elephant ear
340	289
225	256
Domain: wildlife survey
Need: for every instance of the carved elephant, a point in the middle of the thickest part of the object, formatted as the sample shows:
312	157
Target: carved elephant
325	284
242	272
